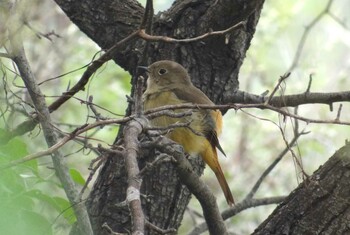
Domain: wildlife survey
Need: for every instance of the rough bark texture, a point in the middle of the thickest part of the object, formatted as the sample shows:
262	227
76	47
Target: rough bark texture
320	205
213	64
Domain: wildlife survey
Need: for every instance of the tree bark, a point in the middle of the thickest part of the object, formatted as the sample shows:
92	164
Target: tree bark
320	205
213	63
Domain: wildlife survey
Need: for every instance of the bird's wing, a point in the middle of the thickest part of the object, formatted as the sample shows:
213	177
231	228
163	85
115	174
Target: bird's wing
196	96
192	95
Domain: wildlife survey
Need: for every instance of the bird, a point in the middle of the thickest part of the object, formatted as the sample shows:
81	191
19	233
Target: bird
169	83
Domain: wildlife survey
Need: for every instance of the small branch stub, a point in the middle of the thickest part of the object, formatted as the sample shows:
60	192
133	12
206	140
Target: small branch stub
132	194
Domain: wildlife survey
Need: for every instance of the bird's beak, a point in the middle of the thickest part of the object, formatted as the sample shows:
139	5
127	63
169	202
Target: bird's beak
143	68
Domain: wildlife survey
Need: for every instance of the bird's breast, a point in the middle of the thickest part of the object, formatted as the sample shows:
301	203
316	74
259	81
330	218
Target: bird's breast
193	142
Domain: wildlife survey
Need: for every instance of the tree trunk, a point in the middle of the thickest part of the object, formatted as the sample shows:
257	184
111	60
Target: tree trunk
320	205
213	63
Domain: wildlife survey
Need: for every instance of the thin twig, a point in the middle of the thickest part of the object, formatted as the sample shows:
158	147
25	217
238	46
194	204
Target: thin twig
142	34
338	20
65	140
309	84
169	113
159	230
91	69
305	35
241	206
40	34
297	160
5	55
271	167
110	230
98	115
171	127
295	125
280	80
150	165
339	112
93	170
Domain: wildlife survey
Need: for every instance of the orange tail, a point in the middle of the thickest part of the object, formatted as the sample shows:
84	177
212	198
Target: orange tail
211	158
224	186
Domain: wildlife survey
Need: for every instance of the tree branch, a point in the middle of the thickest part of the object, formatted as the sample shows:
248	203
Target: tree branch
241	206
271	167
165	110
131	133
132	130
66	139
319	205
195	185
246	106
306	32
290	100
62	171
155	38
91	69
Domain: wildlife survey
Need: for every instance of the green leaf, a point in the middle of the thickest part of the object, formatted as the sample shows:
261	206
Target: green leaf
10	183
15	220
76	176
65	209
16	149
43	198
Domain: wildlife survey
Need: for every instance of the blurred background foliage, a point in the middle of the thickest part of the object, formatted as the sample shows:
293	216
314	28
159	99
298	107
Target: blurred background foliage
32	199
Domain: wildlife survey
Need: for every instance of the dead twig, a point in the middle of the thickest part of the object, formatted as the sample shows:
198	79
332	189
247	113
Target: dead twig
280	80
142	34
159	230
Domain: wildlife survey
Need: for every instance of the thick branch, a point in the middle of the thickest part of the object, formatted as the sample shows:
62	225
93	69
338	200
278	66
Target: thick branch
131	133
225	107
316	205
290	100
196	186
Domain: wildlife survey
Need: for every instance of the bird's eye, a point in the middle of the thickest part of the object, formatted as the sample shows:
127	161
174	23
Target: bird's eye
162	71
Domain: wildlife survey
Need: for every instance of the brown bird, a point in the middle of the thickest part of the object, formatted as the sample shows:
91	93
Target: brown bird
169	84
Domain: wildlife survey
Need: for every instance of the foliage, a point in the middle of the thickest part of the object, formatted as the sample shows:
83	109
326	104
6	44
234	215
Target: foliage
18	196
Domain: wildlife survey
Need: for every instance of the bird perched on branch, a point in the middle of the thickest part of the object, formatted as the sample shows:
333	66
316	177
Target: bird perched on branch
169	84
